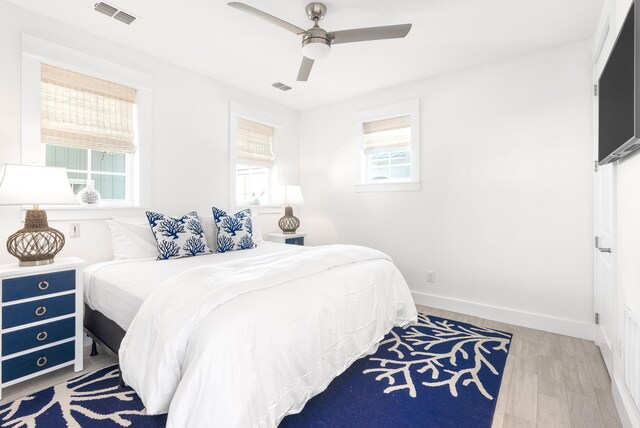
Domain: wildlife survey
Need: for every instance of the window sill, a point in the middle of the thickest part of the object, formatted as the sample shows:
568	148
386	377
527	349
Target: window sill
87	212
388	187
261	209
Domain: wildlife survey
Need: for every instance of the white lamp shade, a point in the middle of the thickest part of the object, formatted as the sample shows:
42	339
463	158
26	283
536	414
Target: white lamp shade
288	195
316	50
35	185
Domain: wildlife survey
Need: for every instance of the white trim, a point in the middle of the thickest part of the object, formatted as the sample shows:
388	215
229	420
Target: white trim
36	50
38	348
78	362
410	107
85	63
261	209
13	270
510	316
388	110
37	323
87	212
387	187
39	297
629	415
251	113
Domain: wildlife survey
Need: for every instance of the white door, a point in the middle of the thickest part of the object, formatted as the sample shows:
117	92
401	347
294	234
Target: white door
604	253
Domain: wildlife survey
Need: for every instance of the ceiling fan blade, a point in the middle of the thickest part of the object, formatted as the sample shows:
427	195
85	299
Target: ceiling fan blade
371	33
305	69
263	15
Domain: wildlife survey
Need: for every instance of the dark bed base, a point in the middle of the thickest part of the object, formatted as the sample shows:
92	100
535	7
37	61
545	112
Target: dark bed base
101	328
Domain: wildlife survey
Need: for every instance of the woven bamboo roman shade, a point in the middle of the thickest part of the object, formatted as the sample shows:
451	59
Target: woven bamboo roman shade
387	135
85	112
254	143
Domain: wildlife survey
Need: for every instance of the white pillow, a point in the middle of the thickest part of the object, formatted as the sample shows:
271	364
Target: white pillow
257	229
211	230
132	238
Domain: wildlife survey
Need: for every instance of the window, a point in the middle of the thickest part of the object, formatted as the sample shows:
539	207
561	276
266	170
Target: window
389	148
88	126
254	161
66	97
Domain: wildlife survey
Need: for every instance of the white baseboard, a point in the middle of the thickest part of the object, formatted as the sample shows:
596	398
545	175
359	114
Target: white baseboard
629	416
509	316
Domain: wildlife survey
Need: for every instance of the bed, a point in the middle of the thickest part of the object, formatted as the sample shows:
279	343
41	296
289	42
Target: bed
243	338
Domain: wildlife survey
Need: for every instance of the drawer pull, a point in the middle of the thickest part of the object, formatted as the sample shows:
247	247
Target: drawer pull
41	310
43	285
42	336
41	361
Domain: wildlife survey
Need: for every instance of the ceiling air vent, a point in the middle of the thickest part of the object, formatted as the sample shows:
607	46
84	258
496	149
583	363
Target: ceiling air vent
124	17
105	9
281	86
113	12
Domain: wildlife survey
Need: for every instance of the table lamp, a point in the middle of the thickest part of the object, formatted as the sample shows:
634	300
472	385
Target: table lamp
289	195
37	243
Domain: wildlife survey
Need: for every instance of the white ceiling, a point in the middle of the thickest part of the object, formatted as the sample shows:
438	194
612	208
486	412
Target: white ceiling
214	39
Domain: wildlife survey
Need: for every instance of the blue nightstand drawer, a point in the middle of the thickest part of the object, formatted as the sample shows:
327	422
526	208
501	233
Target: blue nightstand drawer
38	310
38	285
34	362
295	241
40	335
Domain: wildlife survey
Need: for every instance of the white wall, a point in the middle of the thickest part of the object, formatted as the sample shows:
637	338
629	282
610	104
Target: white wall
627	249
190	122
504	214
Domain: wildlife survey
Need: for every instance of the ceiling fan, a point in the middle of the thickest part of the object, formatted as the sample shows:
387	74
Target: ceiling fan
316	42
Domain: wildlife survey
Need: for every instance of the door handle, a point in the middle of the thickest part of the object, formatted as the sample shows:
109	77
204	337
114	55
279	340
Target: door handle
602	250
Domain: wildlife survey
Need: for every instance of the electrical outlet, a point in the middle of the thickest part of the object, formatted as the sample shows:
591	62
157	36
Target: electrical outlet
431	276
75	230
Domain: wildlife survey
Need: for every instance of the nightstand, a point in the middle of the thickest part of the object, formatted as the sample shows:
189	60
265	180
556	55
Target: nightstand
40	320
287	238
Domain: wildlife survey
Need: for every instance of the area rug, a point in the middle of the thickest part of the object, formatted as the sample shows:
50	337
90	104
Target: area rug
437	373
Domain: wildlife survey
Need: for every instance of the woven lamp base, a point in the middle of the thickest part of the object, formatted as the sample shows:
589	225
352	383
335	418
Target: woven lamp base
289	223
37	243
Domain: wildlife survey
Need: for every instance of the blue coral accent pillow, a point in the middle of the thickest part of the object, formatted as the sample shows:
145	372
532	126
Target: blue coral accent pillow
178	237
235	231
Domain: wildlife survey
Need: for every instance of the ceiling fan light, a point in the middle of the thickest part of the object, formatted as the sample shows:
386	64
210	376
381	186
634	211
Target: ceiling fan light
316	50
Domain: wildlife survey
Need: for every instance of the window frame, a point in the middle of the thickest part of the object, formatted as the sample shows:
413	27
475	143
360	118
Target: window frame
237	110
410	108
138	168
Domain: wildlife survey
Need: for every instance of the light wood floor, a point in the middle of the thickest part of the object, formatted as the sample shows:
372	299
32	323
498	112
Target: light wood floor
549	380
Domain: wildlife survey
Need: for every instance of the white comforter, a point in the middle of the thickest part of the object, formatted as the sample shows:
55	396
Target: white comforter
244	343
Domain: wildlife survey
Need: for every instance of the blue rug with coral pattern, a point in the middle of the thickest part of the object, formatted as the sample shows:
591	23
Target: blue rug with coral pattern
438	373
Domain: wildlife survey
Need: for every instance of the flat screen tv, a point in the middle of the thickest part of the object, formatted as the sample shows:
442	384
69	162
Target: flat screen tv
618	98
